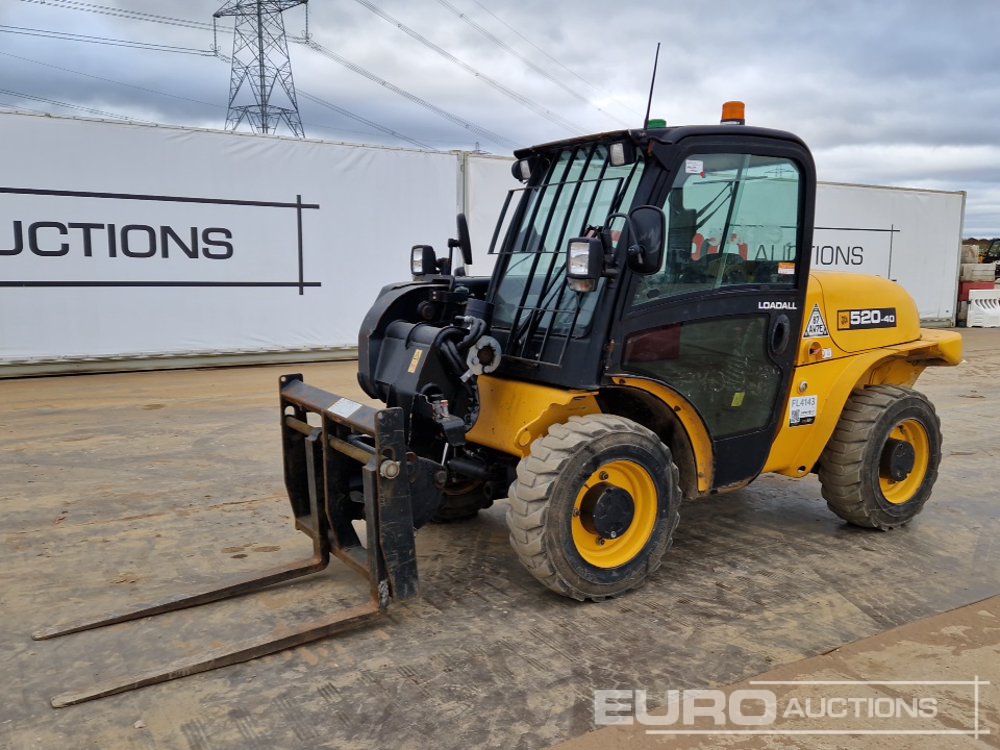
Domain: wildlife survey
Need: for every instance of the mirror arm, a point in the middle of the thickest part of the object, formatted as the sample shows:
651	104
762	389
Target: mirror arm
634	249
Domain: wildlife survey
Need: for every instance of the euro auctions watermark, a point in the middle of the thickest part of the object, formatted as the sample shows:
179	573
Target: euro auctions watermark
803	707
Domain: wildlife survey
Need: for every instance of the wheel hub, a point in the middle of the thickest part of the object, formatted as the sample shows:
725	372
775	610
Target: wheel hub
898	459
607	511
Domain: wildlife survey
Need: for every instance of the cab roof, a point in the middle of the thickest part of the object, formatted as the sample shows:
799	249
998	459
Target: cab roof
670	135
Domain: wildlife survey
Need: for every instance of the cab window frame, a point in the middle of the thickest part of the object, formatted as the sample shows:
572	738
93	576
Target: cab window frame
804	217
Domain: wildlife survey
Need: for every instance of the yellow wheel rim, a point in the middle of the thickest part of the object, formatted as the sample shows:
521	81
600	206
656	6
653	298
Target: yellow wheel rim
913	432
605	552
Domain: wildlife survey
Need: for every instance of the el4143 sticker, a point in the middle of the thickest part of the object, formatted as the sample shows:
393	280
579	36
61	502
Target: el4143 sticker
875	317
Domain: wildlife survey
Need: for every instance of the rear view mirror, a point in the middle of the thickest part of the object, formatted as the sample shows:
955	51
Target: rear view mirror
648	226
464	242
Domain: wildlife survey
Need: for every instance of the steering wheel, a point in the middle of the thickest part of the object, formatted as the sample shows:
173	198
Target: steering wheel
734	268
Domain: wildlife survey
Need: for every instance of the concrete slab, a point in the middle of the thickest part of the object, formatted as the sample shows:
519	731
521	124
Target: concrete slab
118	488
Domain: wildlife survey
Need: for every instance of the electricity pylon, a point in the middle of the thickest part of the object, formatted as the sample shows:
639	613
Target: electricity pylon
261	90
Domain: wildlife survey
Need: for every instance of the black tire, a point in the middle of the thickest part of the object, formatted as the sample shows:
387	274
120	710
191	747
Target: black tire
547	526
461	503
855	469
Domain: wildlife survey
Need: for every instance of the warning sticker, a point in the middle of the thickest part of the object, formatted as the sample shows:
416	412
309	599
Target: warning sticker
803	410
344	407
415	361
816	327
694	166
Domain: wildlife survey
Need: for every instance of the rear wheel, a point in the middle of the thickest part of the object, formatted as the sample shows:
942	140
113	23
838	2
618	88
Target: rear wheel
594	506
881	463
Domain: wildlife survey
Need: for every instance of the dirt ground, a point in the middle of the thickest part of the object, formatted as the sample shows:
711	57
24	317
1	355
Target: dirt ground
115	489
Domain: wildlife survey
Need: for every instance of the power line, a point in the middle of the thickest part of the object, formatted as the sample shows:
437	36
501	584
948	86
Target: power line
345	112
70	37
20	108
80	107
136	15
519	98
550	57
472	127
359	118
110	80
536	68
92	7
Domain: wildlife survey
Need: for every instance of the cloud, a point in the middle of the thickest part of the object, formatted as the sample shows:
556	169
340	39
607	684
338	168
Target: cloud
903	92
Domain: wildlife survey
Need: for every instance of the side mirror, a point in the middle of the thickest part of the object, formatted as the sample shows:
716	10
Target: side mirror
463	243
423	261
584	263
648	226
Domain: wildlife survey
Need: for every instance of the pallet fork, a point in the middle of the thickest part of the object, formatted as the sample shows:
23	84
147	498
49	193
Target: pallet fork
353	465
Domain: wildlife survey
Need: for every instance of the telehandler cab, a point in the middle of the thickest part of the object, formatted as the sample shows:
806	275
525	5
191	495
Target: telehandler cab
651	332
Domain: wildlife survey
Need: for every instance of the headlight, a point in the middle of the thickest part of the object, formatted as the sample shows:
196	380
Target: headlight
579	259
422	260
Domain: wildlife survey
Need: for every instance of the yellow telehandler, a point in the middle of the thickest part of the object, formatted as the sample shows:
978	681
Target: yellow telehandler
651	331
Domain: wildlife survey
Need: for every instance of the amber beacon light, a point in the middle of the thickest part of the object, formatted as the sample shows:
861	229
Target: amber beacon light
734	113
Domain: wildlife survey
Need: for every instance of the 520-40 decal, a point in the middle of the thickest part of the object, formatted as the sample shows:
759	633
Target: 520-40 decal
875	317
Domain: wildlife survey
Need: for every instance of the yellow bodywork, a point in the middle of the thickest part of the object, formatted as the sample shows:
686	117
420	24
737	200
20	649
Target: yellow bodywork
694	427
833	359
513	414
830	367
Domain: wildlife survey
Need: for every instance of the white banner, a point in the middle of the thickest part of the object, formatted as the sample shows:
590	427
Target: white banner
125	240
910	236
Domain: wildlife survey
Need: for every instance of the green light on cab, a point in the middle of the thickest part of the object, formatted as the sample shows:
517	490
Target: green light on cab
657	123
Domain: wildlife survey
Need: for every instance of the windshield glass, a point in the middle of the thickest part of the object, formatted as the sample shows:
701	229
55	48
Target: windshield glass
580	190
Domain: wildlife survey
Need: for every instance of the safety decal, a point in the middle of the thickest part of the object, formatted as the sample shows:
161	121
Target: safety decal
803	410
415	361
816	327
343	407
852	320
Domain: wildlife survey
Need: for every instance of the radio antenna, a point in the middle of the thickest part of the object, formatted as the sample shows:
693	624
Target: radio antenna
652	83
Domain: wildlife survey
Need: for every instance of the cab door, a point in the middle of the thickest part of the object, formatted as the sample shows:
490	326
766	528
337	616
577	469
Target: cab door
720	321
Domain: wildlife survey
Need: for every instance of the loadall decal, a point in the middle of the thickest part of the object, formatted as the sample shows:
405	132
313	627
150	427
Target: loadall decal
878	317
769	305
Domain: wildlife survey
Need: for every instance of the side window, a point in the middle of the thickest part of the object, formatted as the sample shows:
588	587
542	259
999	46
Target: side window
732	219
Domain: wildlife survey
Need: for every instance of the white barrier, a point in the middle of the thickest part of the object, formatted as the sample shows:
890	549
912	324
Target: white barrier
984	308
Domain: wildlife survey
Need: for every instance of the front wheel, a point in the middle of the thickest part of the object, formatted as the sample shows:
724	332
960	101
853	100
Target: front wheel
881	463
594	506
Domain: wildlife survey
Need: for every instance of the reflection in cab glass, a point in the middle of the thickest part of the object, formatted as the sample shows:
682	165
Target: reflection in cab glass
731	220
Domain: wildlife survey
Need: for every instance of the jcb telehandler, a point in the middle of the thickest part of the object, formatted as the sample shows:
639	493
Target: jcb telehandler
651	332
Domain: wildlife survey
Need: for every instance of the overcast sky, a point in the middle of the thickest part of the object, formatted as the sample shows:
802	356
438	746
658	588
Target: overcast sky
894	92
